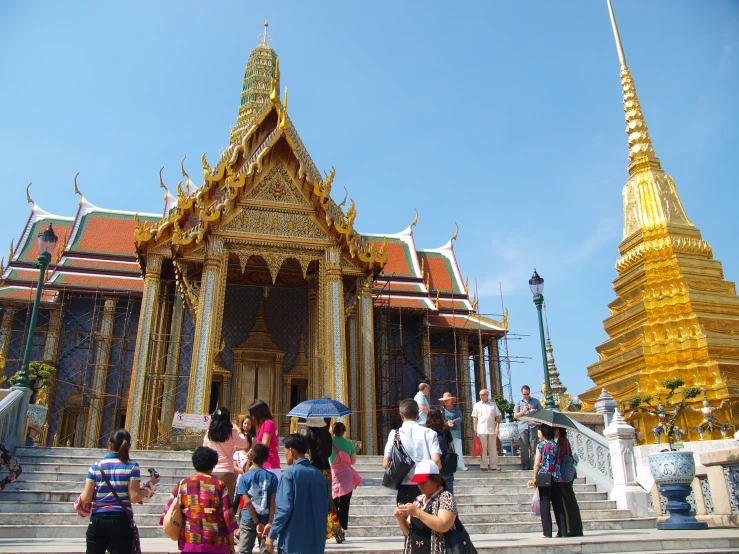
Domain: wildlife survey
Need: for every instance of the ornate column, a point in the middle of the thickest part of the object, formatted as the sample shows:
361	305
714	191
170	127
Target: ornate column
479	363
53	335
496	379
463	378
366	365
173	361
426	351
313	342
100	378
352	334
155	382
147	320
208	326
6	330
334	324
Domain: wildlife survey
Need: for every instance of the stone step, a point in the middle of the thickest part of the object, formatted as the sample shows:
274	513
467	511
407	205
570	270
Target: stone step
68	531
375	497
384	518
156	506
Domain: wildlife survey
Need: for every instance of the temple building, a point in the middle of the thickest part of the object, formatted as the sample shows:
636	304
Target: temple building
253	284
674	314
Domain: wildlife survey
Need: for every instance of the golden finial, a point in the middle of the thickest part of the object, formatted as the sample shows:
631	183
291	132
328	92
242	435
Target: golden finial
180	193
467	285
505	319
10	256
436	303
640	143
28	196
423	260
474	302
265	36
283	120
184	173
162	185
2	265
60	249
456	233
206	165
346	195
415	221
274	93
428	281
76	189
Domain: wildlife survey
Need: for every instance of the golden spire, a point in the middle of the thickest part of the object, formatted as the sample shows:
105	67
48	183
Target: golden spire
161	183
641	151
283	119
76	189
28	196
265	36
456	233
415	221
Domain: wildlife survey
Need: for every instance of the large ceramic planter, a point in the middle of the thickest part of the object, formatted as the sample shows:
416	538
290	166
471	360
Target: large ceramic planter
674	472
37	415
508	433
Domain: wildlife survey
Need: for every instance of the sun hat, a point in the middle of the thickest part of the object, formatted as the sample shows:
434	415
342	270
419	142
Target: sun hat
315	422
423	470
447	396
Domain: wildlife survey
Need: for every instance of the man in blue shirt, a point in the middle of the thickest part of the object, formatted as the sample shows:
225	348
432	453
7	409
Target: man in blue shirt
453	419
422	400
528	435
302	504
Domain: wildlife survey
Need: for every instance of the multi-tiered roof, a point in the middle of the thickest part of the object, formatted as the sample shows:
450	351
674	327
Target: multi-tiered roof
103	250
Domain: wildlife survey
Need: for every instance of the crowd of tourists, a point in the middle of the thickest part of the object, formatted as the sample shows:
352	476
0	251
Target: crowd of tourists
240	496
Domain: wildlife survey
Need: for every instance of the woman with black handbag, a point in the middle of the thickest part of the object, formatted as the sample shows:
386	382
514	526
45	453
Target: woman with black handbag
435	421
546	475
112	485
433	513
568	474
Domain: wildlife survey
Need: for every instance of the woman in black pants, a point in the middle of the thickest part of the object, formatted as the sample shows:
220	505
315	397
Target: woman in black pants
571	509
110	528
547	452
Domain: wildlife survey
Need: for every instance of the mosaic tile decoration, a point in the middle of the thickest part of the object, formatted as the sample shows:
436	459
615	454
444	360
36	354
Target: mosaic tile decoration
183	373
706	489
731	474
286	313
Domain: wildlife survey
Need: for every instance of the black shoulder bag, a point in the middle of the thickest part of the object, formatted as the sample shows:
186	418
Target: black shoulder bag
400	465
136	543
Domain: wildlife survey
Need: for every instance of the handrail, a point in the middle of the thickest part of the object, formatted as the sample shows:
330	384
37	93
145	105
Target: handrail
594	457
13	408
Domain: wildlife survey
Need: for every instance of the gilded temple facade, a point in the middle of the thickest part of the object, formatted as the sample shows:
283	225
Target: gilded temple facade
674	314
252	284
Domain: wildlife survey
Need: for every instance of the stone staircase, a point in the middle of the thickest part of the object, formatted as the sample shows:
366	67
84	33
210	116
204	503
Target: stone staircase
39	503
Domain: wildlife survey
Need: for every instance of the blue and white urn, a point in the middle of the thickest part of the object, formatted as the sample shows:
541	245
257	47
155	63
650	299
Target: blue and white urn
674	472
672	468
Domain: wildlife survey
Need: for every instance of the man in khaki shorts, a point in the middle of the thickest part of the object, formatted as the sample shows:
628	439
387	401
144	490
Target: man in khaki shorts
486	423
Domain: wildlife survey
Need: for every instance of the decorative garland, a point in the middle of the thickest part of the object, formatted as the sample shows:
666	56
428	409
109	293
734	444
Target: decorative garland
14	468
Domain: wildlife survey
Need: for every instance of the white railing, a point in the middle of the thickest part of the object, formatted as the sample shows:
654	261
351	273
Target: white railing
13	409
594	457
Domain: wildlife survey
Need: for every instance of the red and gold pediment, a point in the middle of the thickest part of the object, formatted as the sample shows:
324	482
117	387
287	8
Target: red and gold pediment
265	185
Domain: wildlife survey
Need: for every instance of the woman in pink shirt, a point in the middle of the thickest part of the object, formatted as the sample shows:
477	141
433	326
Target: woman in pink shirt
266	434
223	437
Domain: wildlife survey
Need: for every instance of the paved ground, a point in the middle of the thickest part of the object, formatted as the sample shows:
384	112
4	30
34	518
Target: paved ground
639	540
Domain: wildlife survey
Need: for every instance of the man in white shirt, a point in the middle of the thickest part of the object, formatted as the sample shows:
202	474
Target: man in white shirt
486	423
422	400
420	443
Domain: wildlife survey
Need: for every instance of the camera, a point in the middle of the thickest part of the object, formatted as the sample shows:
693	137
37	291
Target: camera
153	472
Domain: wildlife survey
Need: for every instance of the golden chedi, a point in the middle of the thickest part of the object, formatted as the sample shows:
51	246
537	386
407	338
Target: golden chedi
674	314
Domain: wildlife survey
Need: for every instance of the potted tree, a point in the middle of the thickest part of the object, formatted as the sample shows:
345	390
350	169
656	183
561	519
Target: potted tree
40	377
508	429
673	470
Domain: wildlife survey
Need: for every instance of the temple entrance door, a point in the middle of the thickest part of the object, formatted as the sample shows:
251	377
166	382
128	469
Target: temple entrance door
298	393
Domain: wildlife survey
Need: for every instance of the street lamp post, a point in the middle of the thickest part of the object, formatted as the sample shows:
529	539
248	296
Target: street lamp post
46	243
536	284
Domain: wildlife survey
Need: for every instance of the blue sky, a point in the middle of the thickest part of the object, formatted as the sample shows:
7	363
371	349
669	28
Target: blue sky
505	117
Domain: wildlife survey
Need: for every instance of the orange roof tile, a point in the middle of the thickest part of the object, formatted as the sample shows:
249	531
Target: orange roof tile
24	293
102	233
98	282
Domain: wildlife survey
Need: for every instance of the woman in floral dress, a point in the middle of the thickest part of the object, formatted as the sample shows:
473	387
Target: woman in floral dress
547	455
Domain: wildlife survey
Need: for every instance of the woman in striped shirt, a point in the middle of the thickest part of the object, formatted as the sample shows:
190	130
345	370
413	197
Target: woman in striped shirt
109	527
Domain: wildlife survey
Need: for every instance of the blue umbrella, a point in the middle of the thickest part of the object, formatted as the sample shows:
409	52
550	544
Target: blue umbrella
324	407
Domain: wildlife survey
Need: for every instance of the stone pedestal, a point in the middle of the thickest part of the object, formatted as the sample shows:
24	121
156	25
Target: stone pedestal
626	492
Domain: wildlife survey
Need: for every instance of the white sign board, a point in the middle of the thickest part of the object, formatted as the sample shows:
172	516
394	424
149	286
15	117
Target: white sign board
194	421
